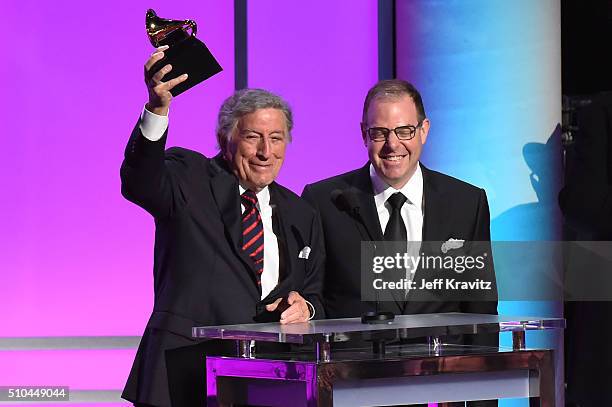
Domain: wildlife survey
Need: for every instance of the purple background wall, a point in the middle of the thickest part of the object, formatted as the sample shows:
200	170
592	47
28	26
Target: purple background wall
76	257
323	63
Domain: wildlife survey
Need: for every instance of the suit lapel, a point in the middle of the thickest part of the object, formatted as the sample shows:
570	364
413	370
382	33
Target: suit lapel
282	229
437	209
436	219
363	192
226	194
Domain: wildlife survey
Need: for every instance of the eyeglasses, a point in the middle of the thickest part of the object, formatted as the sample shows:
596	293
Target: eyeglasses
402	132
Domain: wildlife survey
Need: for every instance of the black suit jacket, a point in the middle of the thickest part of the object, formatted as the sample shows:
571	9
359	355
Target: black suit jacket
453	209
201	275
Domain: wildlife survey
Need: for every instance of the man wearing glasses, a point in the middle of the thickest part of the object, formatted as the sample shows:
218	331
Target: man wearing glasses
395	198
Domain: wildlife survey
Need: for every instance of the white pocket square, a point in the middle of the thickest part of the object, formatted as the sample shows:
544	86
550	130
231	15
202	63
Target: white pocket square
452	244
304	253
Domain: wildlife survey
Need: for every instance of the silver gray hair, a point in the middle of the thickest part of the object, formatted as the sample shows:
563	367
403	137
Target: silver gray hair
246	101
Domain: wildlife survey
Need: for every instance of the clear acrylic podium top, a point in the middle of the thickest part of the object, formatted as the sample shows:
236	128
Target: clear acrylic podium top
404	326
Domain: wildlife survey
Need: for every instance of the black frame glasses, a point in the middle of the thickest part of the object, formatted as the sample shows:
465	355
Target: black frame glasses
402	132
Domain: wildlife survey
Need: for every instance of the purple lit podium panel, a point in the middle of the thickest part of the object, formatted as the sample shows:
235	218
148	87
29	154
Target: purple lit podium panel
323	372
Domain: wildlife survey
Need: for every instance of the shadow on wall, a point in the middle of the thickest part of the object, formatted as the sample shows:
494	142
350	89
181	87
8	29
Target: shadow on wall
532	221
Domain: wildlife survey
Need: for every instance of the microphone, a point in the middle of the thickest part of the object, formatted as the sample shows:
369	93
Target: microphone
347	201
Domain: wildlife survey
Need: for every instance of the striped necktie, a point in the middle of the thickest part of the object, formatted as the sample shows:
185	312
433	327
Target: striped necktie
252	232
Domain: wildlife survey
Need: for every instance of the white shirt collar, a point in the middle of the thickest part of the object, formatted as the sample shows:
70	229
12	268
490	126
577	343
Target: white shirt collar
413	189
263	196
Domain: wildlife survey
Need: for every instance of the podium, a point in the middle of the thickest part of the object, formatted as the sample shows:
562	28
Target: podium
321	372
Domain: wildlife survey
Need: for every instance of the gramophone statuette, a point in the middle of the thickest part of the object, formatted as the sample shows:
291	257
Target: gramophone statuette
159	28
186	54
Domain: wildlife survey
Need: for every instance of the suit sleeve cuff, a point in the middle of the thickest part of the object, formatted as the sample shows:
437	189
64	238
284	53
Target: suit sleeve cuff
152	126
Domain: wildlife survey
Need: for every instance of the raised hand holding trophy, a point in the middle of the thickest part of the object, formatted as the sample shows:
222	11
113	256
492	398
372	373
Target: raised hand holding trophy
186	54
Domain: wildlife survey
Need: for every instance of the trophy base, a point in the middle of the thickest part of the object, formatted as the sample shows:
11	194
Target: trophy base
189	56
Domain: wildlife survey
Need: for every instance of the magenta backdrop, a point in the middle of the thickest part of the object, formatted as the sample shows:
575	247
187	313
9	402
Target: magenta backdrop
322	56
77	257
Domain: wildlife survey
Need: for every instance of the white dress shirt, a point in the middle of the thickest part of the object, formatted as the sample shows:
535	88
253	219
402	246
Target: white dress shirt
153	127
412	210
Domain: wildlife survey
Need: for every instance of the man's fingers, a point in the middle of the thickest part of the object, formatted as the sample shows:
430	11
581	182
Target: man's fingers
290	311
293	296
272	307
159	91
290	316
298	312
152	60
291	320
173	82
294	318
159	75
160	49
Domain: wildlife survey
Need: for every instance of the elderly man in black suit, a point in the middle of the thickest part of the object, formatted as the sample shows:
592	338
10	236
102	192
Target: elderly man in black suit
230	243
394	197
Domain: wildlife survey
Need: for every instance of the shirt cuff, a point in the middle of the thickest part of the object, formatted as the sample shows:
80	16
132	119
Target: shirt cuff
152	126
312	309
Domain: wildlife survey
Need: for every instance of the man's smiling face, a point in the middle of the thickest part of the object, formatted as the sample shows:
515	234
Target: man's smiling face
257	148
394	160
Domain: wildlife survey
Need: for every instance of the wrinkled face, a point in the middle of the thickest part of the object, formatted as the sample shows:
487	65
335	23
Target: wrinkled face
394	160
257	148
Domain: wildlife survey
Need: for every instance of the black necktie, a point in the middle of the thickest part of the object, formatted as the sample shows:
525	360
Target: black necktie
252	232
396	230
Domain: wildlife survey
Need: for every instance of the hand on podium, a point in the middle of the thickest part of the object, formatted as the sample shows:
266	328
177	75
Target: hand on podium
295	308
